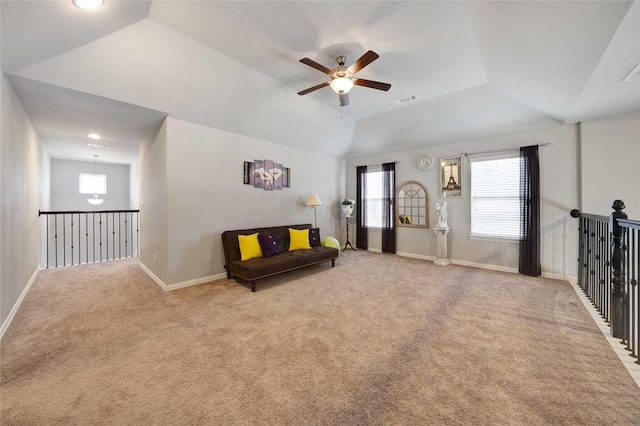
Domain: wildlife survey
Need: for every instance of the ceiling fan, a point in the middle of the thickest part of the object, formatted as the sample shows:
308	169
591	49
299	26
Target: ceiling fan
343	78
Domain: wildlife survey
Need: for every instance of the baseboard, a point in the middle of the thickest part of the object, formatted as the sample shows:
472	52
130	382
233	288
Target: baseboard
552	275
416	256
485	266
16	306
183	284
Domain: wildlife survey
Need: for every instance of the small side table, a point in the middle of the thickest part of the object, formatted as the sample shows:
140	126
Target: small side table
441	245
348	243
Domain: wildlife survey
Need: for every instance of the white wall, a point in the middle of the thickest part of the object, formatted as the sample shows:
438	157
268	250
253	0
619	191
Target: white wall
558	197
65	185
23	172
134	185
611	164
206	195
153	202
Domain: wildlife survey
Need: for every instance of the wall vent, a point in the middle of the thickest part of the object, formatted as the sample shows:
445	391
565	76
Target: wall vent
634	74
411	98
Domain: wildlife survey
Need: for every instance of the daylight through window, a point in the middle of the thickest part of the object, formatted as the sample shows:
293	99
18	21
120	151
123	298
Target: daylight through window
495	197
93	184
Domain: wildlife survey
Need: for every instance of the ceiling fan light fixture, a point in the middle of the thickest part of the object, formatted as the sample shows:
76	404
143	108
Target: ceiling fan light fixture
341	85
88	4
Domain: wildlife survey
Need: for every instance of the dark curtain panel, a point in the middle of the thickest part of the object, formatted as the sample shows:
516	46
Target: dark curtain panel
530	211
362	240
388	208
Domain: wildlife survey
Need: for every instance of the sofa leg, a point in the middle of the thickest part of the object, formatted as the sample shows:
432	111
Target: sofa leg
253	286
333	263
228	275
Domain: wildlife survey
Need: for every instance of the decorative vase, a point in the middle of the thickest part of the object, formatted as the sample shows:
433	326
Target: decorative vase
347	209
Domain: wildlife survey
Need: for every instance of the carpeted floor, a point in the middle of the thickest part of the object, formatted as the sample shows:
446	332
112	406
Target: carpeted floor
377	340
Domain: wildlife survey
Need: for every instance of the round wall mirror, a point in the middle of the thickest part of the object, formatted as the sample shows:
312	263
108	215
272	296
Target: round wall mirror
412	205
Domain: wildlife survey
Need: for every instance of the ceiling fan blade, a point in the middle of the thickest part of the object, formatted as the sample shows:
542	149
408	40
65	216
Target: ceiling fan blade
311	89
314	64
344	99
372	84
363	61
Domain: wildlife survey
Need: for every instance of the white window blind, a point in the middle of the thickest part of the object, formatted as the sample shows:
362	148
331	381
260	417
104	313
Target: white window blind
495	197
374	197
93	184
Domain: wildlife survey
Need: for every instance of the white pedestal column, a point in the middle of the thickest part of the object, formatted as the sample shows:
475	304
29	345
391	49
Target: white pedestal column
441	245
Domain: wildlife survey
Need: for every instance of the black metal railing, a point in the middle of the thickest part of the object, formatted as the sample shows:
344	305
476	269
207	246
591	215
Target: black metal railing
609	270
76	237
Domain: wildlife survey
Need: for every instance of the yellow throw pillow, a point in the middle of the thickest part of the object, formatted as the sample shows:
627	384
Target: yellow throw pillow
249	246
298	239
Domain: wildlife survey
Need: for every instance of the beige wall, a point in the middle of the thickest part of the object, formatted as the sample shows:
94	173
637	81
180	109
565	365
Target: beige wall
206	194
23	190
611	164
607	159
559	196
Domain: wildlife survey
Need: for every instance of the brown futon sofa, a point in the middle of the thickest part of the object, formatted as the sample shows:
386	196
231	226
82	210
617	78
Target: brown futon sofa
262	267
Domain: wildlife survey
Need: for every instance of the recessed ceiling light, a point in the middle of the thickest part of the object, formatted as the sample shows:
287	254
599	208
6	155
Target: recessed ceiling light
94	136
88	4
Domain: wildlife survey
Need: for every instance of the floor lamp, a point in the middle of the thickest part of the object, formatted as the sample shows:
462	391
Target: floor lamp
314	201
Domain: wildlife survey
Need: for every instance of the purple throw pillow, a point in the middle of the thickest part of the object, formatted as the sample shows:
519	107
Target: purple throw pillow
314	237
268	245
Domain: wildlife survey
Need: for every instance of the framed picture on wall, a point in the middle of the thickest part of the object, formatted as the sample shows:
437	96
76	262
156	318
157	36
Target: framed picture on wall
268	175
451	177
258	174
248	177
286	177
277	176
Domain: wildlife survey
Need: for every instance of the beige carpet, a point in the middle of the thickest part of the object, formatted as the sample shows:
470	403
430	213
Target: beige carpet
377	340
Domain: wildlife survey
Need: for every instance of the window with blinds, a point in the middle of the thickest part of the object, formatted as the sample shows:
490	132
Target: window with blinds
495	197
374	195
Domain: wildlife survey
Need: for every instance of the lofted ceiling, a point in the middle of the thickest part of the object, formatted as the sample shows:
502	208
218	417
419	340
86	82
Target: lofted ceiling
477	69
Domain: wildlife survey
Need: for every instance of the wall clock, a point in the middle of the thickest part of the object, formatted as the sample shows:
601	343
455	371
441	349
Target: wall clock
425	162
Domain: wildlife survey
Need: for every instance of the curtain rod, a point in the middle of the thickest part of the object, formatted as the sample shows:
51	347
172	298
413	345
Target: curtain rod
375	165
496	151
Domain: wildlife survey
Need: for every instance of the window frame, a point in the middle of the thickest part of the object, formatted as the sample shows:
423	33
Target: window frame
92	184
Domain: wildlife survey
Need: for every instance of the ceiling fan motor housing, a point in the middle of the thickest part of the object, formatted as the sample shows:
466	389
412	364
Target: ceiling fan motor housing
341	71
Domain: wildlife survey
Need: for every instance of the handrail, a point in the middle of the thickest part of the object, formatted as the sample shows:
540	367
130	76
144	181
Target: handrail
575	213
40	212
632	224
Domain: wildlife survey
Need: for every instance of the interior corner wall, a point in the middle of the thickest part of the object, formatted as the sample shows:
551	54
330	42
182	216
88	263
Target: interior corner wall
610	151
206	195
153	202
23	168
558	197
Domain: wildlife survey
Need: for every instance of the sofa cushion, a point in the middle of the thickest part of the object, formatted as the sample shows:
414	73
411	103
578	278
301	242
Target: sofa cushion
249	246
298	239
268	244
314	237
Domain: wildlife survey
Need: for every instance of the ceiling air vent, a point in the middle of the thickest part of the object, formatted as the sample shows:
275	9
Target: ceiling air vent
633	75
411	98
